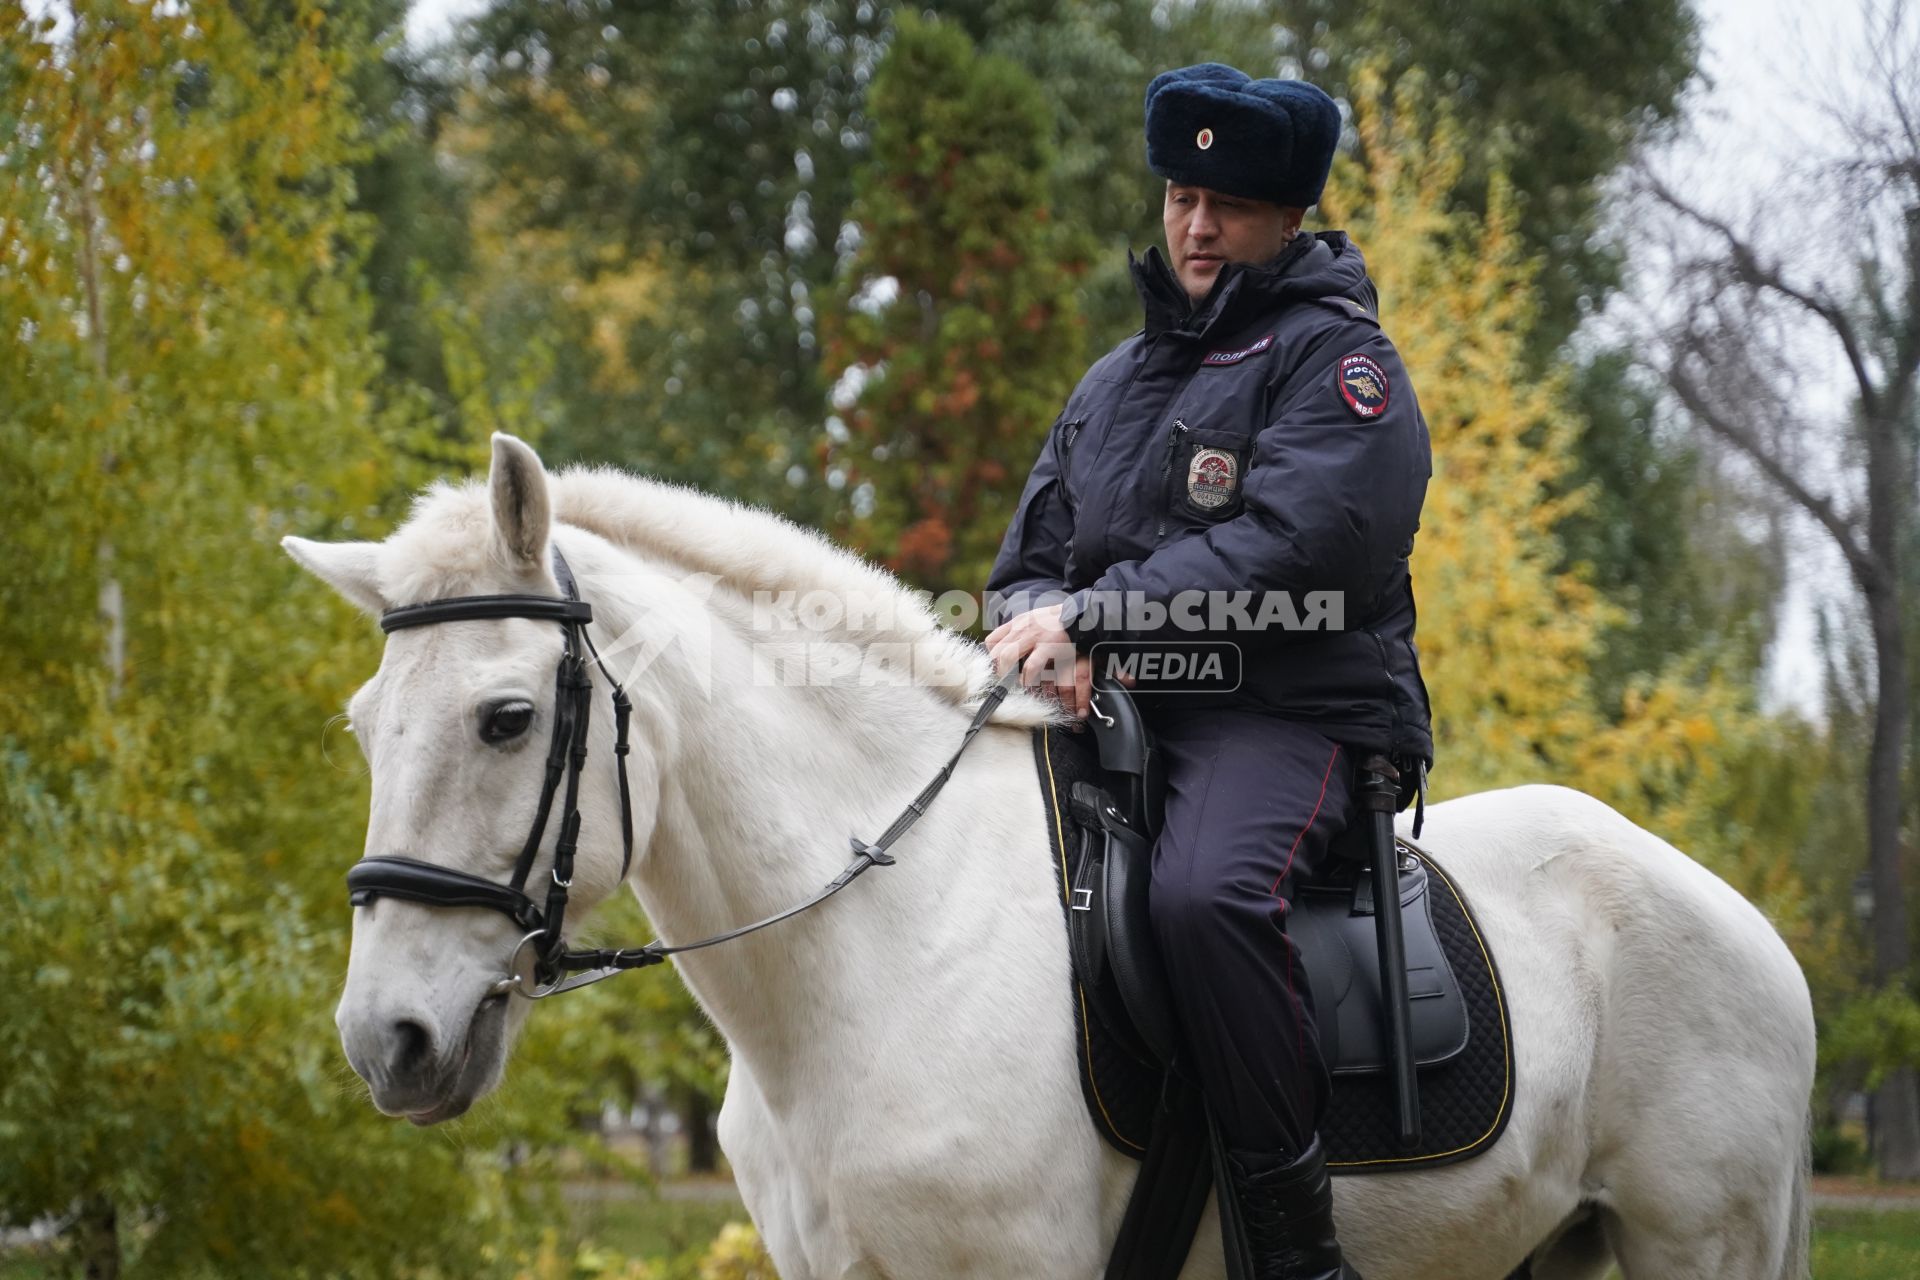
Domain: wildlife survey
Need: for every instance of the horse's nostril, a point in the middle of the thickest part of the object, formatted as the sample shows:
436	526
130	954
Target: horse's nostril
412	1047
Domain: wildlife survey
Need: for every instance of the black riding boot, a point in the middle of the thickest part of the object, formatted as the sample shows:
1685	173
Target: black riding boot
1287	1209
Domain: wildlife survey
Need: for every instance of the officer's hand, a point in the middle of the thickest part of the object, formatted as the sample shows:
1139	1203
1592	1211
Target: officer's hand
1076	695
1037	643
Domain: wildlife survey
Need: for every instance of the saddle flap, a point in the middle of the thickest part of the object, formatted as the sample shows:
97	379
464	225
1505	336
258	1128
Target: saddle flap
1339	954
1133	955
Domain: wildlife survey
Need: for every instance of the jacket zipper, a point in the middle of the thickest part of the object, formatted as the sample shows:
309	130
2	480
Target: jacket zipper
1166	474
1069	432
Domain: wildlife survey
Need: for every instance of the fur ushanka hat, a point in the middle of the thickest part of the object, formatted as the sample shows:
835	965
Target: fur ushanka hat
1212	126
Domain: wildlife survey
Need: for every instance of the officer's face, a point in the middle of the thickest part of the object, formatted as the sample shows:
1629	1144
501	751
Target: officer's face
1207	229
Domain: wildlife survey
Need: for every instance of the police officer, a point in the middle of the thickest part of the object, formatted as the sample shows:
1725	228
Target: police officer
1254	454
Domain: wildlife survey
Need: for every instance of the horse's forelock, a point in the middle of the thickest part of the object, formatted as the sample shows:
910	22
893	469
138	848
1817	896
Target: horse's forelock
444	548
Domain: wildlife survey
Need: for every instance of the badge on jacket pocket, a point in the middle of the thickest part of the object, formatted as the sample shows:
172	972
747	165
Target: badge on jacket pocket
1213	477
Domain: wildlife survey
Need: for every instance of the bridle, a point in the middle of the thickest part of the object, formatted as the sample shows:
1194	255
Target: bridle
541	962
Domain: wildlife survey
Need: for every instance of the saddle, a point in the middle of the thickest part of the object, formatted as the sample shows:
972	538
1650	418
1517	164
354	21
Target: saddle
1444	1096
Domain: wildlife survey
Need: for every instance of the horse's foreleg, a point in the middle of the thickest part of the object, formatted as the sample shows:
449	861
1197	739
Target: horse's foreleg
746	1135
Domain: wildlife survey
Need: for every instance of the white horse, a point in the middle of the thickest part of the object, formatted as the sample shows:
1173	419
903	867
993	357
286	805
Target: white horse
903	1101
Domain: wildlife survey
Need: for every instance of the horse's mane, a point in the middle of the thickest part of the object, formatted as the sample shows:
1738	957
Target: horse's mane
747	550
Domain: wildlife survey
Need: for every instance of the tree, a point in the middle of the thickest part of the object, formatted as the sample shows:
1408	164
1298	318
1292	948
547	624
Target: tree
715	148
964	367
1510	637
696	160
1664	534
1560	95
1755	318
185	376
416	211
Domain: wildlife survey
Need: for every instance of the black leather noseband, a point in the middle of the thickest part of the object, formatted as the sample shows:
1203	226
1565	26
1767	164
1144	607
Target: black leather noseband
544	942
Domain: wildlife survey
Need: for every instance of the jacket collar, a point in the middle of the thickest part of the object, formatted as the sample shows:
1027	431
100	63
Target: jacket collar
1236	287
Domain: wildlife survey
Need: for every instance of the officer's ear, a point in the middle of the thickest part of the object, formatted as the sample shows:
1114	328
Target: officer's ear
1292	217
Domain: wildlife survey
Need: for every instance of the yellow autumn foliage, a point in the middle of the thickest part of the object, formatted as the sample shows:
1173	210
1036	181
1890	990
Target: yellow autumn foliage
1508	631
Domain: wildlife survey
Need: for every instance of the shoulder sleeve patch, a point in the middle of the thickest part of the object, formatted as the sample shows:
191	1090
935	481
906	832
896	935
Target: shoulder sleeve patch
1363	385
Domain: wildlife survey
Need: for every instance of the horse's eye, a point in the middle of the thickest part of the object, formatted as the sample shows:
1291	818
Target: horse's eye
506	722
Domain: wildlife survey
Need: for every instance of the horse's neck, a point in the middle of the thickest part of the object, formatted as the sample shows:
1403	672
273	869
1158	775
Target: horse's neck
758	797
761	819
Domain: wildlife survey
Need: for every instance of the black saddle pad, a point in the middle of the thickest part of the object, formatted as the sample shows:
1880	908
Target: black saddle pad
1466	1095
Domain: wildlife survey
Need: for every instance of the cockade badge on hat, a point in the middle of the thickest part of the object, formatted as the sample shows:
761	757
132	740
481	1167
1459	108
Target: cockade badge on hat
1203	139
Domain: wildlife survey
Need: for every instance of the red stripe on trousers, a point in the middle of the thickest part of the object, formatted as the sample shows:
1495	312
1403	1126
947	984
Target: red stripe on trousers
1300	1011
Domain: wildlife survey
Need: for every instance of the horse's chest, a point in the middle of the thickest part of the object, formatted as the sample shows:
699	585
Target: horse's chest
833	1205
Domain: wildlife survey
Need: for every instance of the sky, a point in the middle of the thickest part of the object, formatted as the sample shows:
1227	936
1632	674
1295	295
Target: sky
428	20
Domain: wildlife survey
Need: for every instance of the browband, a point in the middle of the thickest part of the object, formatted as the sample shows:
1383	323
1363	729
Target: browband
474	608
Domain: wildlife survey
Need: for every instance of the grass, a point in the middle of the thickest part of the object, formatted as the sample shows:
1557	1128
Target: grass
1860	1244
22	1267
644	1227
1849	1244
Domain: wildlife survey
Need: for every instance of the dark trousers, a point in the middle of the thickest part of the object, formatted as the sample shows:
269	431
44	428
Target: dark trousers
1252	802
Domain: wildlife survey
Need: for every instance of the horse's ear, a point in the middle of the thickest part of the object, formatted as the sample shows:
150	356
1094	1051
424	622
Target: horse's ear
522	513
351	568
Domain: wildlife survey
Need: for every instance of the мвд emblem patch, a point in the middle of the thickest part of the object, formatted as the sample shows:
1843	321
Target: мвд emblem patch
1212	478
1363	385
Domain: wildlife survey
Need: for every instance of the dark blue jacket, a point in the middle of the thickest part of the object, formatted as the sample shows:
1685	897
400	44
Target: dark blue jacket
1265	440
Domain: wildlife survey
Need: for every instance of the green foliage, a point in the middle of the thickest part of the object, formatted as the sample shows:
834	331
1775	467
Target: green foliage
1836	1151
170	1051
1667	549
1094	60
681	172
964	368
1878	1029
417	211
707	156
1560	93
185	377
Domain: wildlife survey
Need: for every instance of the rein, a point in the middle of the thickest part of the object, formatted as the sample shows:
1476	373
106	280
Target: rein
541	961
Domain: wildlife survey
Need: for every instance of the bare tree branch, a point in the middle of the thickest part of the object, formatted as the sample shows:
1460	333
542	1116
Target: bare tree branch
1750	270
1844	531
1893	58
